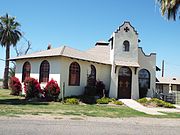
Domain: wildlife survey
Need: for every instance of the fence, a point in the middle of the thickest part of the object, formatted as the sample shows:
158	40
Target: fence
173	97
177	93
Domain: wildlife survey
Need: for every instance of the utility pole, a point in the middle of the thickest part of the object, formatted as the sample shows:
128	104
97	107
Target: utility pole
163	68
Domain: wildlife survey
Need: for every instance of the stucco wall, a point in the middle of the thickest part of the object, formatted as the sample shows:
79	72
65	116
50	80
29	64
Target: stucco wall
102	73
148	62
59	71
119	37
35	68
134	55
114	83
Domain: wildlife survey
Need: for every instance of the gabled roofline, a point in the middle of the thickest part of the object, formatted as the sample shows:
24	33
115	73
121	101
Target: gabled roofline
62	56
102	43
146	54
124	24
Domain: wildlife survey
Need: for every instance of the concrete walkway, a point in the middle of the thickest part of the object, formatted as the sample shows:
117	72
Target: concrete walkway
152	111
177	106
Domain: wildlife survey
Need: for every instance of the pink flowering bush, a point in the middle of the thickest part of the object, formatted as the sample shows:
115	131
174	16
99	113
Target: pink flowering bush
32	88
15	85
52	90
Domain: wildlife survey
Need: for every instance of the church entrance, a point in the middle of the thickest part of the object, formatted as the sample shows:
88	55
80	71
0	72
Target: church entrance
124	82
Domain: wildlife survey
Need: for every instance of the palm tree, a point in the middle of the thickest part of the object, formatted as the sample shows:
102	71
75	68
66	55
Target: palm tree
9	35
170	8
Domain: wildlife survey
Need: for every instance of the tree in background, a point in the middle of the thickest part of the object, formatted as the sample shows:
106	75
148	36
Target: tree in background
170	8
9	35
19	51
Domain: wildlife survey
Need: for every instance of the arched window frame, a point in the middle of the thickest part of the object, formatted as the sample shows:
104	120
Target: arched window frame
26	70
125	71
44	71
92	76
126	46
74	74
146	77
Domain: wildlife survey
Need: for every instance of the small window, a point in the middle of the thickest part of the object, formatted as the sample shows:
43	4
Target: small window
44	71
74	74
126	46
26	71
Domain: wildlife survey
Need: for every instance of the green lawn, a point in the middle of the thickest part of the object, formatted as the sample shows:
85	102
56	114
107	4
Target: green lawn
14	106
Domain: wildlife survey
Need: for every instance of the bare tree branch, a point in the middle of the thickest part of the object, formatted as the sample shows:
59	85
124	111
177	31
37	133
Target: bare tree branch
28	48
22	51
17	51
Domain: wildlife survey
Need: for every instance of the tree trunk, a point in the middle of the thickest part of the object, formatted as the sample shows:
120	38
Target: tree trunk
6	69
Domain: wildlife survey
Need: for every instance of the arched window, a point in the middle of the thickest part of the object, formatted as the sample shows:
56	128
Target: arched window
74	74
44	71
26	71
92	76
144	79
126	46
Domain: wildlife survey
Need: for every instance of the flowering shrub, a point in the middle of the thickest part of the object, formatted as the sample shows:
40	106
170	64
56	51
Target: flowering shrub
32	88
52	90
15	86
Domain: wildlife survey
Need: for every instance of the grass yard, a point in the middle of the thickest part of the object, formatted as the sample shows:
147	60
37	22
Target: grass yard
15	106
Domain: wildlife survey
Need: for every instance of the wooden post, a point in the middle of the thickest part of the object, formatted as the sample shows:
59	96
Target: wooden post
63	91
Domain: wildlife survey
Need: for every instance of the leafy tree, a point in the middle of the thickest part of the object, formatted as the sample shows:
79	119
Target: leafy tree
9	35
170	8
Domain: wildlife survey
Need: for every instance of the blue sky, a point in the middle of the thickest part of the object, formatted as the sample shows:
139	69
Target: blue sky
80	23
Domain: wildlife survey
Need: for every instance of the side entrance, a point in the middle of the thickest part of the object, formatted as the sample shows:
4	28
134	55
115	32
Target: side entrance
124	82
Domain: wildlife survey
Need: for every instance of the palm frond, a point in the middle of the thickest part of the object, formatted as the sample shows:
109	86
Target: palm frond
169	8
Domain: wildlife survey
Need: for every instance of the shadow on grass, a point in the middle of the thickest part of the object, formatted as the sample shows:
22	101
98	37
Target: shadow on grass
20	102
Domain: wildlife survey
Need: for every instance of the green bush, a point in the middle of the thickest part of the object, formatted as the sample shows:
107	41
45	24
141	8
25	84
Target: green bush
90	91
103	100
112	99
155	102
169	105
117	102
161	103
142	100
158	102
72	101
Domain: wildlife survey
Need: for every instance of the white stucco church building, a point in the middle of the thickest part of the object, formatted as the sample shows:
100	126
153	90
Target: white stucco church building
120	63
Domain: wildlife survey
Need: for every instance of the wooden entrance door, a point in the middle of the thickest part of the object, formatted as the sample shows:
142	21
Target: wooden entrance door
124	82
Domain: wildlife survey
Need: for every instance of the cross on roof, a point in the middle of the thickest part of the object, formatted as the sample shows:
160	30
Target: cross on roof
126	29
